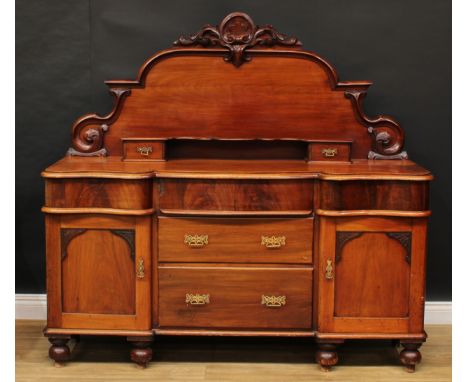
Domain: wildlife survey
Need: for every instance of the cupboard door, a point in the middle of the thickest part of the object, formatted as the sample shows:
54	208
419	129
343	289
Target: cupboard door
99	269
371	274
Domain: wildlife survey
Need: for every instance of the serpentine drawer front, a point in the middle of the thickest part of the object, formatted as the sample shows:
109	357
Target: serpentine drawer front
235	240
235	297
236	195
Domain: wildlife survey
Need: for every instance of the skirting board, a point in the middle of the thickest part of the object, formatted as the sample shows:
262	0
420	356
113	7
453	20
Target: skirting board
34	307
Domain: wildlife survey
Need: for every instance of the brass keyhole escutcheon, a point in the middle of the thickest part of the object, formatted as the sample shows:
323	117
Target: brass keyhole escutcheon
140	269
329	270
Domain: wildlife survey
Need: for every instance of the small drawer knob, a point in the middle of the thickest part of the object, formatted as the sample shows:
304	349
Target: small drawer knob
145	150
329	152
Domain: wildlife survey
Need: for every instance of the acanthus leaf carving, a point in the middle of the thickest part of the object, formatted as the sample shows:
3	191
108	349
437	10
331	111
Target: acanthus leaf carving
237	32
88	131
387	136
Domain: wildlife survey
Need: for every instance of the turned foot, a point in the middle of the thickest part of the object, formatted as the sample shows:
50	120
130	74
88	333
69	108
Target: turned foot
59	351
326	356
410	356
141	352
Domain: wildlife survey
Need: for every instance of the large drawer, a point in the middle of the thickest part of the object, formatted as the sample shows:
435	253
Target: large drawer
235	297
235	240
226	195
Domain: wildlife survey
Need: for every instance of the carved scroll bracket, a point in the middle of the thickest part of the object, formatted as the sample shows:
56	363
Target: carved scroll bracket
404	238
237	32
129	236
66	235
387	136
342	237
88	131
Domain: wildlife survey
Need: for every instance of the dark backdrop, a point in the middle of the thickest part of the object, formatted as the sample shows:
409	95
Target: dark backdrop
66	49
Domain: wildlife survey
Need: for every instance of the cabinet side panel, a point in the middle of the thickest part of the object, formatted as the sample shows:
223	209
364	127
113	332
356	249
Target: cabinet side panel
54	304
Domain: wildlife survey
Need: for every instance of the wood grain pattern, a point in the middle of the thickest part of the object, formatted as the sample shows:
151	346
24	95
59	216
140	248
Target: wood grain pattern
374	195
235	297
98	275
236	196
382	290
98	193
235	240
275	95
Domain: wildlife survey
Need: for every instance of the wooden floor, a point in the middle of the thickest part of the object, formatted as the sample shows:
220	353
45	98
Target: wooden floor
227	359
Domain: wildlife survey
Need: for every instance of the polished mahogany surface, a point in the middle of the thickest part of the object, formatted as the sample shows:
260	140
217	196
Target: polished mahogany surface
237	188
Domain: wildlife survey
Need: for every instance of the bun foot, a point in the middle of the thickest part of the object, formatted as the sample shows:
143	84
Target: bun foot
141	353
410	355
59	351
326	356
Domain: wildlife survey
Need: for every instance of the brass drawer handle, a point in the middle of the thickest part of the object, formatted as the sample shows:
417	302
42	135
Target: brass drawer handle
330	152
196	241
273	301
145	150
329	270
197	299
273	241
140	269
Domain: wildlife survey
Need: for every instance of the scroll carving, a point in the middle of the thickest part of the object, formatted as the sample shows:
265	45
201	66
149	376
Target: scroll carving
342	237
237	33
405	240
387	136
129	236
66	235
88	131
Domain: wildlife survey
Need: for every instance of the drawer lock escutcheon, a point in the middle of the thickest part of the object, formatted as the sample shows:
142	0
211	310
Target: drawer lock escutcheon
197	299
145	150
273	241
140	269
330	152
196	241
329	270
273	301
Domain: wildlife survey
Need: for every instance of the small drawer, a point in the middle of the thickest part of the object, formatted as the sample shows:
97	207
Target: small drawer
143	149
235	240
235	297
330	151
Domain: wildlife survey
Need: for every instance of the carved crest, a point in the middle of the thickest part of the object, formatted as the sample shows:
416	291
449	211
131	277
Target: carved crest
237	32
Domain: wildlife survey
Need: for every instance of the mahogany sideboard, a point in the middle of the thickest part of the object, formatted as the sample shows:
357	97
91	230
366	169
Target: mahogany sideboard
237	188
